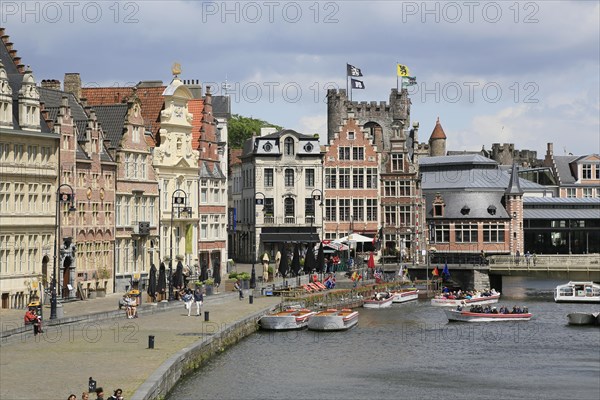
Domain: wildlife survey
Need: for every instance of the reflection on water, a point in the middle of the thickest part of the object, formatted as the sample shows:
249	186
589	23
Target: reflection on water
411	350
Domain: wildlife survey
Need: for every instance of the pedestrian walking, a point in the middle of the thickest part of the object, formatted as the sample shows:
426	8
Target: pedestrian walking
188	298
85	396
99	394
198	299
527	258
238	286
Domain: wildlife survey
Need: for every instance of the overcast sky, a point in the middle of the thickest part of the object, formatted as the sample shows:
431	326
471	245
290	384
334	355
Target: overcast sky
519	72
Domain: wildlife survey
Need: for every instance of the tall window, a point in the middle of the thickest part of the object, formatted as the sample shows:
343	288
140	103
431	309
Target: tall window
289	146
371	178
389	188
344	209
405	215
269	206
268	177
344	178
390	215
397	162
586	170
289	207
309	208
358	178
404	188
330	210
330	178
309	177
343	153
442	233
289	177
371	209
358	209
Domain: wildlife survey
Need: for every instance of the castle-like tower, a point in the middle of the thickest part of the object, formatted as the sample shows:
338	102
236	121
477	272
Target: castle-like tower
437	141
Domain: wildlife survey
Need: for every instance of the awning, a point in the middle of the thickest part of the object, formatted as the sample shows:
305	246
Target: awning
300	237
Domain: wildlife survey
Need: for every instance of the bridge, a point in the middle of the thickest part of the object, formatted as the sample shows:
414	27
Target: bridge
584	267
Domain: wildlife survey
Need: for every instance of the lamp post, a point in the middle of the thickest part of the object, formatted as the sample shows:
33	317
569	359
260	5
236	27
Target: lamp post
317	197
257	202
180	202
60	198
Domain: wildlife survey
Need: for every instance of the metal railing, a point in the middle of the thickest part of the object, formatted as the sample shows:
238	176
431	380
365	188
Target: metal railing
582	262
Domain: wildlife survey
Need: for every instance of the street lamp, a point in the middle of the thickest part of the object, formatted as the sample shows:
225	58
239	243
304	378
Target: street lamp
60	198
180	202
316	197
257	202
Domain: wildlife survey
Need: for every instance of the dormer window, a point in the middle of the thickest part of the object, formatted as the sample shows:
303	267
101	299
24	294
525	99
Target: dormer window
491	210
438	206
308	147
465	210
267	147
351	136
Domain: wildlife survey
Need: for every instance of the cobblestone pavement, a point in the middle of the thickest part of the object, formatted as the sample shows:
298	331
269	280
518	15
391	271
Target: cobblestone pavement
112	351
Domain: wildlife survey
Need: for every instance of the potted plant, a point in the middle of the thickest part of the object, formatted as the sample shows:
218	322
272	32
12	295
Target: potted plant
91	292
271	274
102	276
245	278
232	279
208	286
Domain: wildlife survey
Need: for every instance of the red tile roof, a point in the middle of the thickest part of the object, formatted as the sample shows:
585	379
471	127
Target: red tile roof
151	98
438	131
195	106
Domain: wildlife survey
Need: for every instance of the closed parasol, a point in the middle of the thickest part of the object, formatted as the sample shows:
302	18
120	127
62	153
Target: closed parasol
309	261
283	263
296	267
321	259
161	285
178	279
371	262
152	282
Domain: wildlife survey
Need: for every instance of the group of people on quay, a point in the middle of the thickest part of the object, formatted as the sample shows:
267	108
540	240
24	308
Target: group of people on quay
477	308
467	294
117	395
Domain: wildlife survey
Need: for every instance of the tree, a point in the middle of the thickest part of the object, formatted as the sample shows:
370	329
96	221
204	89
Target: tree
241	128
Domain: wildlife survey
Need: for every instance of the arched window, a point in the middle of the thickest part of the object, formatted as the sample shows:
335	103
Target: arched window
289	177
289	146
289	207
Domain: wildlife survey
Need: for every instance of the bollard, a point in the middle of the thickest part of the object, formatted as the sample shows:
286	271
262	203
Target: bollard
206	316
150	341
251	299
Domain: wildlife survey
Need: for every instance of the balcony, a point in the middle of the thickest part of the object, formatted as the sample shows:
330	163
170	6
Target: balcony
278	221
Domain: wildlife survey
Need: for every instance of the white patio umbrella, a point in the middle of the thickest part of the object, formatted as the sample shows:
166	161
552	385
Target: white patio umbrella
355	237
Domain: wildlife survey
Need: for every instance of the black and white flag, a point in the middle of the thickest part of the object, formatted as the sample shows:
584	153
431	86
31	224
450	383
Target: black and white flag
356	84
353	71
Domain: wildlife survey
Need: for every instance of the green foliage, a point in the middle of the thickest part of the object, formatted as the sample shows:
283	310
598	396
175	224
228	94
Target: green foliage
209	281
240	128
244	276
233	275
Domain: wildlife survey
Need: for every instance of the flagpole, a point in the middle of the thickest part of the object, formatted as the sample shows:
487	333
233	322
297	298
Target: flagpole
397	80
347	78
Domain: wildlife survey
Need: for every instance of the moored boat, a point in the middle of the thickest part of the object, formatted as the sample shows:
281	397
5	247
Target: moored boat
577	292
404	296
581	318
286	320
379	300
468	316
478	298
333	320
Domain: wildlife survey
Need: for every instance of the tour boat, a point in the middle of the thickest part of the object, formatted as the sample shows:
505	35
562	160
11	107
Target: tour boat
379	300
468	316
477	299
333	320
402	297
581	318
286	320
577	292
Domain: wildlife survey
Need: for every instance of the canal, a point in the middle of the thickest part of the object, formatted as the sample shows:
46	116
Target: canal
411	350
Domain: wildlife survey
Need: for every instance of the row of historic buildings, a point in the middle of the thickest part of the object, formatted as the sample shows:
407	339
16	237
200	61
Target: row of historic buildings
113	180
107	180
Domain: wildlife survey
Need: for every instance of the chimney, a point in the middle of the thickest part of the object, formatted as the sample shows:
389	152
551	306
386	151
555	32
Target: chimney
73	84
51	84
550	150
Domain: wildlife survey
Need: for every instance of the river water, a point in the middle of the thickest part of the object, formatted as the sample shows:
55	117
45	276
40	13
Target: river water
410	350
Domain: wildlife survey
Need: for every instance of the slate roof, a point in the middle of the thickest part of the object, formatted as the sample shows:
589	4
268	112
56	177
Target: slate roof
280	133
561	208
514	187
217	173
221	106
563	169
477	203
113	118
468	172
